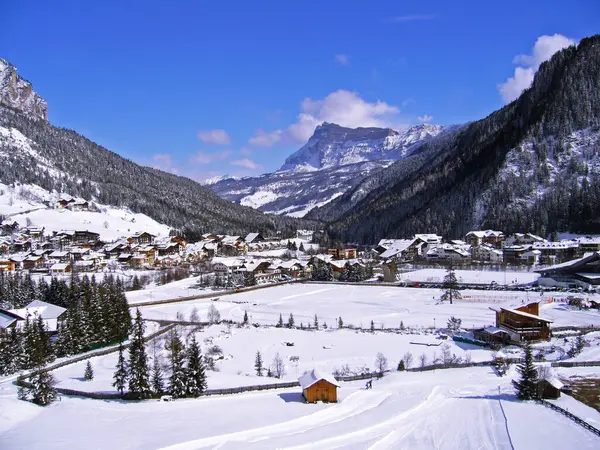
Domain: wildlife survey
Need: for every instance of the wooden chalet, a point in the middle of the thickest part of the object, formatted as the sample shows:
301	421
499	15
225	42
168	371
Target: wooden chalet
318	386
549	388
52	315
523	323
141	238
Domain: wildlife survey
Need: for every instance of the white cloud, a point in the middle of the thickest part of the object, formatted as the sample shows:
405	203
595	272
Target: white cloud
247	163
264	138
342	59
543	49
410	18
342	107
202	157
164	161
245	151
425	118
218	137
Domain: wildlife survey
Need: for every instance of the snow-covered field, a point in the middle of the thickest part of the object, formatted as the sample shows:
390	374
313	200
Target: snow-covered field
358	305
182	288
468	408
471	276
449	409
31	202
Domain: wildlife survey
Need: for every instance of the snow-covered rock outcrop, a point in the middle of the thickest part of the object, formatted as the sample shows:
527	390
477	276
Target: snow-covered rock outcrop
18	93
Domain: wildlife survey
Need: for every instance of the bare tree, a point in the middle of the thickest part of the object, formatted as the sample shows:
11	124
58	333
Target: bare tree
408	359
214	316
381	362
194	316
544	372
423	360
278	366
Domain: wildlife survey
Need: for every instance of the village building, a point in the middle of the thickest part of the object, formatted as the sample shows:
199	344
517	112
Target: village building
52	315
254	238
342	253
318	386
557	252
141	238
448	252
521	254
60	268
400	250
523	323
8	321
578	273
491	237
487	253
522	239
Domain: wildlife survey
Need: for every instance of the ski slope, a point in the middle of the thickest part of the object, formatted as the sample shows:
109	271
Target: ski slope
449	409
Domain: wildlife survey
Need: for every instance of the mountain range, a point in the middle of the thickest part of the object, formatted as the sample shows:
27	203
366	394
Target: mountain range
333	161
533	165
33	152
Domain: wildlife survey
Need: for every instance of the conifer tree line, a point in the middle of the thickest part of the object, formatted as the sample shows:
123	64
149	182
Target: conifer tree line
137	378
97	315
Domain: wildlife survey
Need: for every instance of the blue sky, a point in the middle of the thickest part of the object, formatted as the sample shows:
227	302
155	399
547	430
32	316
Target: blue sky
207	88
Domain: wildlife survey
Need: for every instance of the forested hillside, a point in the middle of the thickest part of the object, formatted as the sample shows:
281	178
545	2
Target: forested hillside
61	159
530	166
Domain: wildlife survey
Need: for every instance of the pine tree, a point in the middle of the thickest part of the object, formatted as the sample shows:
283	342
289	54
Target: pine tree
527	385
177	380
316	322
42	390
258	364
401	366
245	322
195	373
340	323
402	326
290	323
121	374
372	326
280	321
139	372
88	375
450	285
156	376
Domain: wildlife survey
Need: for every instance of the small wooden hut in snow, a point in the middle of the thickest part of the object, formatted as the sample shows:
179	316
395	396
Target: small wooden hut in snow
318	386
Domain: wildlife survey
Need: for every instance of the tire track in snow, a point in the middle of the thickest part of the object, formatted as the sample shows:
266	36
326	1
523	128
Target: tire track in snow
356	403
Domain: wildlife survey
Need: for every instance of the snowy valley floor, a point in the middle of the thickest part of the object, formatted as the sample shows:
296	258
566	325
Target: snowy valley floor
446	409
468	408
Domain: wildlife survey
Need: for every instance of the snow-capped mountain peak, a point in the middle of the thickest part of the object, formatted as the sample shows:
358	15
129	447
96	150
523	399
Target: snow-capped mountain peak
332	145
17	93
333	161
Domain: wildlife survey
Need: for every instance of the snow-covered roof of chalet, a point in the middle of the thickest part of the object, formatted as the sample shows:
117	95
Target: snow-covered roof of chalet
397	246
289	264
314	376
79	250
58	254
19	257
429	238
146	248
66	197
573	264
556	245
230	240
551	380
140	233
490	249
522	313
252	265
251	237
228	262
33	258
322	257
59	266
485	233
339	264
40	308
589	240
84	263
7	318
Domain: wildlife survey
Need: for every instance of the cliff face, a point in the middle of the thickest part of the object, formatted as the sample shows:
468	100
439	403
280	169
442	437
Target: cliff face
17	93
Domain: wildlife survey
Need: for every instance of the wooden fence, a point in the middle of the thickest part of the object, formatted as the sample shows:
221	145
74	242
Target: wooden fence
213	294
94	353
209	392
573	417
